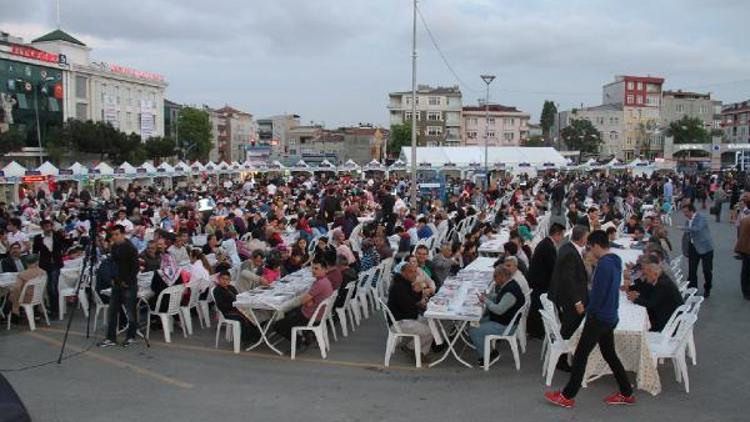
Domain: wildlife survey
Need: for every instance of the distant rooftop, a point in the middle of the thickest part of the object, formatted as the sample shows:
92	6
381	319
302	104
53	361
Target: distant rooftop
428	90
603	107
492	107
59	35
687	94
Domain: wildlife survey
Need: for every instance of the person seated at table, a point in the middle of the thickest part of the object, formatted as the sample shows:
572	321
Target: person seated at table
31	272
608	214
524	251
348	274
639	234
179	251
511	264
300	247
423	230
591	219
631	225
211	246
320	290
660	237
293	263
407	303
200	270
370	257
271	271
444	263
501	304
251	272
225	295
335	277
660	296
612	236
324	250
15	235
13	263
342	247
151	257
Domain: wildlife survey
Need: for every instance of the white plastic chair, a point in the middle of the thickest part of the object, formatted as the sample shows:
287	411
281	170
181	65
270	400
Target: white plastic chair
345	310
100	306
549	307
233	329
395	335
194	287
521	330
359	302
675	348
65	290
205	310
173	308
510	335
37	299
199	240
556	346
318	325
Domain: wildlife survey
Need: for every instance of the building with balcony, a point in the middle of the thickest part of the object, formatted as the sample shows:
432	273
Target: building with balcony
438	114
171	113
735	122
608	119
677	104
505	126
273	134
233	132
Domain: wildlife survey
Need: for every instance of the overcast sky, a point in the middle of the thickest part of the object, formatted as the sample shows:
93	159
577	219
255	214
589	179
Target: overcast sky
334	61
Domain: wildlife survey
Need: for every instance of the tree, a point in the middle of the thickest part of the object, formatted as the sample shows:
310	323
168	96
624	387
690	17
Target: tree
195	141
688	130
547	120
399	136
12	140
581	136
534	141
157	148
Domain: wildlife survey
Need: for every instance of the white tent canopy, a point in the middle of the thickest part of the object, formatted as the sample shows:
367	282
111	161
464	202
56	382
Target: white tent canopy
104	168
197	167
165	168
78	169
466	157
48	169
374	165
326	165
300	165
350	165
148	167
14	169
127	168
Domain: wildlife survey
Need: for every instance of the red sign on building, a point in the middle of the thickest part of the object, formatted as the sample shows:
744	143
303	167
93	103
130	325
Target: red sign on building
33	53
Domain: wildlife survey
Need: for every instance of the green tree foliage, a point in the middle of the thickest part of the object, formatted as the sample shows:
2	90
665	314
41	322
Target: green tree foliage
94	138
400	136
12	140
548	117
688	130
195	140
158	148
581	136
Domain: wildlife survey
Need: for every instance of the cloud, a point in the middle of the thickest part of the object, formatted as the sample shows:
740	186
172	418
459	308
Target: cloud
335	61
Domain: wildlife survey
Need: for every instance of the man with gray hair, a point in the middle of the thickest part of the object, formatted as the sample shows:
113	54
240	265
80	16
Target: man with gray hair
502	304
511	264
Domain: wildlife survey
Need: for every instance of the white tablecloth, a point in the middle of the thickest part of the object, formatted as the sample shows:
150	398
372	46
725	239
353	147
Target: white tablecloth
494	246
280	296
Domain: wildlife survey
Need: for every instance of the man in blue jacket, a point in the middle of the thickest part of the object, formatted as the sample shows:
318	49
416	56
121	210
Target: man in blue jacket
601	320
700	248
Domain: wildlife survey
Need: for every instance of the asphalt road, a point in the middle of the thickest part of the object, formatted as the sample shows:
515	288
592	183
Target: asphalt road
190	380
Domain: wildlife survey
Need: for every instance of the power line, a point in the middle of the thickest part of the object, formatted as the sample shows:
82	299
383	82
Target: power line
442	55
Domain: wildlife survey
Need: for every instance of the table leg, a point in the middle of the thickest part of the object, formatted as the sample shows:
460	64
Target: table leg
451	342
263	329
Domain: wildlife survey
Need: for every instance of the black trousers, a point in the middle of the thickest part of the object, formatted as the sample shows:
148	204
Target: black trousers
293	318
249	332
570	320
601	333
534	325
127	297
707	260
745	276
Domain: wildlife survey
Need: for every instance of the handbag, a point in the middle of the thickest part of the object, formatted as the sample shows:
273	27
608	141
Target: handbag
686	244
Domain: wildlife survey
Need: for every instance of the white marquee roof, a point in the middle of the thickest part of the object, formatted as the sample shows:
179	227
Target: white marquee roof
463	156
14	169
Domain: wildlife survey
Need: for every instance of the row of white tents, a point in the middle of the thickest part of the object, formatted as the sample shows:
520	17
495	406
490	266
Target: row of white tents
14	171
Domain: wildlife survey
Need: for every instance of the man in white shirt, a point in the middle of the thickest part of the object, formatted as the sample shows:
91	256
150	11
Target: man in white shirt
178	250
122	219
271	189
15	235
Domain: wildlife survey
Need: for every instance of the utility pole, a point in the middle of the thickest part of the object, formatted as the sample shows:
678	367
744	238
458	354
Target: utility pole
414	186
487	80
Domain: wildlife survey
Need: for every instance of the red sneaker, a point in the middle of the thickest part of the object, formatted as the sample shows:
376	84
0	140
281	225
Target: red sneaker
618	398
556	397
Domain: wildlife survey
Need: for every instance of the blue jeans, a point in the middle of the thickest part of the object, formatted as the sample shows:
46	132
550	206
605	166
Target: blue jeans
485	328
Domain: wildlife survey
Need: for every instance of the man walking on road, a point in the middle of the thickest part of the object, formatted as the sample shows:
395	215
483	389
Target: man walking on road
698	247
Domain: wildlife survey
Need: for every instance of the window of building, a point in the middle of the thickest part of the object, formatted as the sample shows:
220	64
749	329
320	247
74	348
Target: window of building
473	121
82	111
471	134
613	135
509	136
509	121
640	99
629	99
491	121
600	120
434	101
81	87
491	134
640	86
701	109
652	88
407	116
434	130
631	85
128	120
433	116
679	108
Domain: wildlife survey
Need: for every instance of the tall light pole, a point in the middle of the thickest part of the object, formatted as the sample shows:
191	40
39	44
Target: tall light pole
414	108
487	80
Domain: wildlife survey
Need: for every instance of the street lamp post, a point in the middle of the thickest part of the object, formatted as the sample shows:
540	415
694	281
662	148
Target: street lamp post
37	87
414	109
487	80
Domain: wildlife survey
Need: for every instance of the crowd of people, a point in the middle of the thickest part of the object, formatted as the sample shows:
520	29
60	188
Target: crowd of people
270	227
